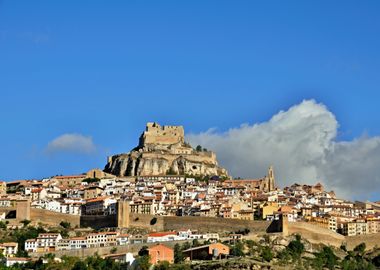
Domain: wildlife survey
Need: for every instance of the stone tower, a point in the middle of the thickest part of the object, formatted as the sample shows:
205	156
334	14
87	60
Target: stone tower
123	210
284	224
271	179
23	210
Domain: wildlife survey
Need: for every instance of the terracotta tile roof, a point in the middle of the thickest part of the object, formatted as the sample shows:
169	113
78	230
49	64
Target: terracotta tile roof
78	238
9	244
161	234
99	199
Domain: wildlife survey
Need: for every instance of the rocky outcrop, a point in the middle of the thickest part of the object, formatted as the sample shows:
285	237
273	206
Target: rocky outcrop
162	151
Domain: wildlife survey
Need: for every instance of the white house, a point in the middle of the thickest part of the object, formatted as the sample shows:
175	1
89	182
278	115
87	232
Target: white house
78	242
163	237
47	241
122	239
9	249
31	245
102	239
16	260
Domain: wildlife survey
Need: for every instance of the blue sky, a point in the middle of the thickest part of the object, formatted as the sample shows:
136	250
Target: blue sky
103	69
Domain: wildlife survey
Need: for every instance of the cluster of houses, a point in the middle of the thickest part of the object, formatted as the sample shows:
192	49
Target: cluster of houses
97	193
48	242
338	215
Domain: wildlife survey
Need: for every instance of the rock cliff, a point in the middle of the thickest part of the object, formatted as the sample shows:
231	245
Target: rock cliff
162	150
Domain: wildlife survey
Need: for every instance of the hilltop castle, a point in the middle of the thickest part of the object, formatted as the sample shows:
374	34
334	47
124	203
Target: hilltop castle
163	135
162	150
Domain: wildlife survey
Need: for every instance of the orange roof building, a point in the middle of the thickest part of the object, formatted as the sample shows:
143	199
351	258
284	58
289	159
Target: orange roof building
161	253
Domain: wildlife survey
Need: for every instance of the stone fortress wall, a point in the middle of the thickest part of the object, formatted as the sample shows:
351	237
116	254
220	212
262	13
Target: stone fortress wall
311	232
163	135
162	149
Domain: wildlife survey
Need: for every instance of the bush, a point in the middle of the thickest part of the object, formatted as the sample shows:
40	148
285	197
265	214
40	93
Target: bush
296	248
3	225
143	262
144	251
360	249
237	249
376	261
178	255
25	222
266	254
325	258
65	224
164	265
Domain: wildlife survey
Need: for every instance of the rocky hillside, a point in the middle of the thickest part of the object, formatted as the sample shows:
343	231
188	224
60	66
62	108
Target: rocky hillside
162	151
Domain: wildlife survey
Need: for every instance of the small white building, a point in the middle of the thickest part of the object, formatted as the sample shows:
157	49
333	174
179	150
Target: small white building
31	245
163	237
122	239
16	260
9	249
78	242
47	241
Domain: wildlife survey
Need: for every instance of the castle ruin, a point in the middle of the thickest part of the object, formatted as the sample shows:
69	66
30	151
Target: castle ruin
162	150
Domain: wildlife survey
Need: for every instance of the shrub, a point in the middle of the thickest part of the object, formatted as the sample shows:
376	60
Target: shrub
266	254
65	224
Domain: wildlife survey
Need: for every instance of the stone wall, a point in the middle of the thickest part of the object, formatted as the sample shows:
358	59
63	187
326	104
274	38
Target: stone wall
98	222
315	234
52	218
211	224
167	135
371	240
201	224
145	221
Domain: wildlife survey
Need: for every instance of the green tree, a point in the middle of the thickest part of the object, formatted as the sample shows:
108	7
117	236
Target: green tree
296	248
178	254
144	251
80	265
3	225
360	249
325	258
250	245
237	249
284	256
198	148
266	254
65	224
196	243
25	222
143	262
185	246
376	261
164	265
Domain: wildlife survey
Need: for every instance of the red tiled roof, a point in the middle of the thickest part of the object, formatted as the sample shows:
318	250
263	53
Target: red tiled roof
161	234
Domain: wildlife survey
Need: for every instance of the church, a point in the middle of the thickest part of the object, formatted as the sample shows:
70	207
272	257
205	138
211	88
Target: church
265	184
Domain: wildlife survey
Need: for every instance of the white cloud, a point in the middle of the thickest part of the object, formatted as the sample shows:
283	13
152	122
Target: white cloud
74	143
300	143
353	167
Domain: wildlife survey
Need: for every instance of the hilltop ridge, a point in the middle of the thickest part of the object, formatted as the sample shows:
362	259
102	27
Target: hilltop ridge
162	150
